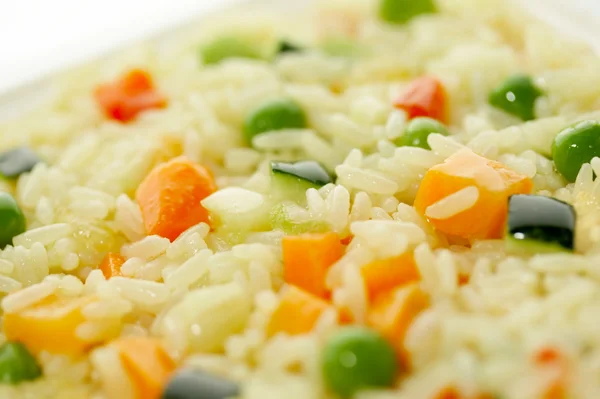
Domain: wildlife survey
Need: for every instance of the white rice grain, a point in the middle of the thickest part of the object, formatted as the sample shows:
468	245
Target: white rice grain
45	235
28	296
148	248
453	204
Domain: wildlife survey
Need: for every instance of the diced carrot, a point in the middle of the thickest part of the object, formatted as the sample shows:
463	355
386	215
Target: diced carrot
147	365
169	197
452	393
346	240
425	96
383	275
111	265
133	93
49	325
392	314
306	259
492	183
297	313
554	360
448	393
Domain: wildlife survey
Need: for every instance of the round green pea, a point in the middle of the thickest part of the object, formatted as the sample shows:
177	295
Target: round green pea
357	358
274	115
17	364
228	47
574	146
402	11
12	219
516	96
417	131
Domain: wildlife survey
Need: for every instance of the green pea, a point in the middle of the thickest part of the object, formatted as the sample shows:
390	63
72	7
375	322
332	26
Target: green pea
357	358
228	47
274	115
12	219
418	130
574	146
402	11
516	96
17	364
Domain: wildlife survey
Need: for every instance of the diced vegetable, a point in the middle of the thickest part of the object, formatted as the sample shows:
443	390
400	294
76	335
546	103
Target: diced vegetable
383	275
418	130
147	365
169	197
516	96
12	219
540	224
297	312
552	359
393	313
17	364
195	384
291	180
132	94
574	146
281	220
15	162
227	47
425	96
111	265
342	47
272	116
357	358
402	11
306	259
49	325
467	195
288	47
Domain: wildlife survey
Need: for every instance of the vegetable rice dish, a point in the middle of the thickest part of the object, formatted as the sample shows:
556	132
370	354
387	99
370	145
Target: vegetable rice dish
368	199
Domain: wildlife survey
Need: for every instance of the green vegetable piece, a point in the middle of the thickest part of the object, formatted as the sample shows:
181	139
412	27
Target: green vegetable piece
402	11
341	47
274	115
228	47
17	364
282	220
516	96
539	224
418	130
17	161
574	146
288	47
12	219
357	358
309	171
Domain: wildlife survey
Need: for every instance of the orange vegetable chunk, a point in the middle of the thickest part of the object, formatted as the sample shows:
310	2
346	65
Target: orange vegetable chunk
297	313
306	259
49	325
425	96
133	93
392	314
147	365
485	216
111	265
383	275
169	197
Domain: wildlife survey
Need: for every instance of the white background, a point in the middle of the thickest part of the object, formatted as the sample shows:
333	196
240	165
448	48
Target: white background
38	37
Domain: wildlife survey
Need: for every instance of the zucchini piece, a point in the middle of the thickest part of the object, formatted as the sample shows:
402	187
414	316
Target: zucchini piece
282	218
539	224
291	180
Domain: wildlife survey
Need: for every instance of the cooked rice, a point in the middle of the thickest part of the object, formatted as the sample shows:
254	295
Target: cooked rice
209	296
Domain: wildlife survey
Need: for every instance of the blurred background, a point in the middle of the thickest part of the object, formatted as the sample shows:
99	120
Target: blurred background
38	37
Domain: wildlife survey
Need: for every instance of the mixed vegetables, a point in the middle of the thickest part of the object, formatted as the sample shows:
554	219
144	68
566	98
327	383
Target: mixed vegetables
467	197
